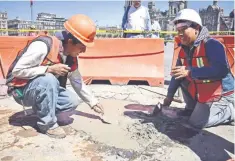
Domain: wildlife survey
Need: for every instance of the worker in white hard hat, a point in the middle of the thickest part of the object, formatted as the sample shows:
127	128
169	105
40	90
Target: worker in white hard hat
203	73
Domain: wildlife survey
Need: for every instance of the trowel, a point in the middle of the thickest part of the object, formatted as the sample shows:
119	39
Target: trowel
159	108
102	116
104	119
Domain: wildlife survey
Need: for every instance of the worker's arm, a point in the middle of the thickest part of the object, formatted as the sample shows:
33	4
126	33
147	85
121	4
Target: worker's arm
124	20
81	89
218	62
28	65
174	83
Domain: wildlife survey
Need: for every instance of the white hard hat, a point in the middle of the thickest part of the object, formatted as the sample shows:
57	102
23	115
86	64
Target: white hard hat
188	15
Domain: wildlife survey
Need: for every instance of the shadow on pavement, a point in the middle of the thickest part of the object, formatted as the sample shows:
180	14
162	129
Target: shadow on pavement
64	118
208	146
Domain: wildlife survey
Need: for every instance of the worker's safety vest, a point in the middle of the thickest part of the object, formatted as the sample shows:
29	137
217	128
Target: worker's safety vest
201	90
53	57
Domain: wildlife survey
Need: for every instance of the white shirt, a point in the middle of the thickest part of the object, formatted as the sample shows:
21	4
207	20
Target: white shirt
28	67
138	19
156	26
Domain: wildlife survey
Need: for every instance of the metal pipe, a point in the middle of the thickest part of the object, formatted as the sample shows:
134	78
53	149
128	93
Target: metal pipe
174	99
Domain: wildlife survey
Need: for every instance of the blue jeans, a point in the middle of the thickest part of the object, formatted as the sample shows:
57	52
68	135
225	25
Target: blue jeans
211	113
47	98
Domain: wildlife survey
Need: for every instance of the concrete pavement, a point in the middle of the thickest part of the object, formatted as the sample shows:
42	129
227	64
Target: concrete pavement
134	135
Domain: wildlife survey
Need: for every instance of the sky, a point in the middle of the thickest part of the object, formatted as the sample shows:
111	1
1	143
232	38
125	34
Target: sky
102	12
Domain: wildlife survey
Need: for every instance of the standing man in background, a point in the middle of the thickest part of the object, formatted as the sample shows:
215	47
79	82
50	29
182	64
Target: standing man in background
137	18
155	27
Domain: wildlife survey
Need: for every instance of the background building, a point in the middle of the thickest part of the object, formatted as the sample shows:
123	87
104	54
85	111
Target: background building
175	7
50	21
19	24
44	21
165	17
213	18
3	23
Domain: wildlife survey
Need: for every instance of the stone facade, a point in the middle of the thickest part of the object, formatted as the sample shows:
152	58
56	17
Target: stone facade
213	18
165	17
3	23
175	7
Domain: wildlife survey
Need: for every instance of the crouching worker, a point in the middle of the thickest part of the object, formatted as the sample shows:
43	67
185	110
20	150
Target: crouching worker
38	75
203	73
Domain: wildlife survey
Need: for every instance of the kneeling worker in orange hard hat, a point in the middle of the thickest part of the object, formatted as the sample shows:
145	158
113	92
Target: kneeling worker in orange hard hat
38	75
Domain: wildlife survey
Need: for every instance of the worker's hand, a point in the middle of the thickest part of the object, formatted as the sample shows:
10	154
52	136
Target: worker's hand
98	108
179	72
58	69
167	101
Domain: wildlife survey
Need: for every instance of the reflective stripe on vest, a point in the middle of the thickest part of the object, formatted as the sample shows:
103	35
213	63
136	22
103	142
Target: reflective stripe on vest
200	62
201	90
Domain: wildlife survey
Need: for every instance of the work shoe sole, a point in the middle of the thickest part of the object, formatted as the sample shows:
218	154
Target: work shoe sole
57	133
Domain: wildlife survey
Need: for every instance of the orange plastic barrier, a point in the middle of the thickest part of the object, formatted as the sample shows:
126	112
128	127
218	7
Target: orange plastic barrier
9	48
124	60
227	41
116	60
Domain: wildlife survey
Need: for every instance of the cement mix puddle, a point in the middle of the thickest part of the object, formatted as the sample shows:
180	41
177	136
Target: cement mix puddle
132	135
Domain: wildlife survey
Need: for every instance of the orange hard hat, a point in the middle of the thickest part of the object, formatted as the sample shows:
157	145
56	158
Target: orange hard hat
82	27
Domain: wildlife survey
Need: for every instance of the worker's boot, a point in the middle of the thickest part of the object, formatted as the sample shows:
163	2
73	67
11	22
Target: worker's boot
57	133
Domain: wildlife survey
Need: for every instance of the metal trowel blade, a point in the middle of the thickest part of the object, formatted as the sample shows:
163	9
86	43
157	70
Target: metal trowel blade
104	119
157	109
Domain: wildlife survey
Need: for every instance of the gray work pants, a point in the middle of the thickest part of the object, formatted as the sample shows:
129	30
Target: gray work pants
209	114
